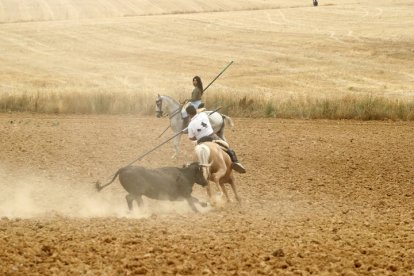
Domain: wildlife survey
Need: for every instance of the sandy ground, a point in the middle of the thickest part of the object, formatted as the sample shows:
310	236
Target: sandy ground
320	197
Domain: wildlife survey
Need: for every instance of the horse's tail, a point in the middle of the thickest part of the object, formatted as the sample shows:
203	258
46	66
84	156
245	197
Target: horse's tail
203	154
228	120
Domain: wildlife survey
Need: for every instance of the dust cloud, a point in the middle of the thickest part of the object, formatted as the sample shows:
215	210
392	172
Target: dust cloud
26	195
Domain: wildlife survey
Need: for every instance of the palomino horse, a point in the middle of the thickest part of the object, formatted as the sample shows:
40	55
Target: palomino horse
171	107
217	167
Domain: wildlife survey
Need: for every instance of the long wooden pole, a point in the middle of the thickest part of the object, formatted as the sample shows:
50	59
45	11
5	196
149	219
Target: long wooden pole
100	187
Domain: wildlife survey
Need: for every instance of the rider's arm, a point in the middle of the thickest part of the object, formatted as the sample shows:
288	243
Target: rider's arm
191	135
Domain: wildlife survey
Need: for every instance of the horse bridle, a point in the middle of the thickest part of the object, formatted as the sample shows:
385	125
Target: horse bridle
159	111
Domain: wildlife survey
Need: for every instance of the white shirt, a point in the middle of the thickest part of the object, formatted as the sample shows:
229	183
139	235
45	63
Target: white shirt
199	126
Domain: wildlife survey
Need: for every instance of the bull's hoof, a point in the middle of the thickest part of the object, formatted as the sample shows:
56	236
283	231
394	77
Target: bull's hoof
203	204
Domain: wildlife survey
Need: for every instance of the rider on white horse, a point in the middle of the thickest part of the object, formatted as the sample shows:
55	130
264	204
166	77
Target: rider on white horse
195	98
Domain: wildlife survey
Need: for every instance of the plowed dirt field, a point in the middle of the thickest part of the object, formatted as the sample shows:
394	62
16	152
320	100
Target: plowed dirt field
320	197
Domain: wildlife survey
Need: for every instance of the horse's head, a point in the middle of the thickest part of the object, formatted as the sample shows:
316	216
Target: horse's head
158	107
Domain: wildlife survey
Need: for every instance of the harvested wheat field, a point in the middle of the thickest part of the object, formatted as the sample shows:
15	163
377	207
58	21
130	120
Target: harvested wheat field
323	197
281	49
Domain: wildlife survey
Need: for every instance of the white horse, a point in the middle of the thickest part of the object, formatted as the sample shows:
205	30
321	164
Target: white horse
165	105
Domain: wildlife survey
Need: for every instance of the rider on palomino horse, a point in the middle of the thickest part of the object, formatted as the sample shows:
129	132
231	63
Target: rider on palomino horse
200	129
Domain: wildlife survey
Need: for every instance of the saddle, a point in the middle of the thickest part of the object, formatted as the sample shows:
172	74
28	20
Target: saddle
200	108
221	143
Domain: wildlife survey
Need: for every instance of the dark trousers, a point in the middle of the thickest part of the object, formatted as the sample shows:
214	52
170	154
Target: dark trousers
212	137
232	155
208	138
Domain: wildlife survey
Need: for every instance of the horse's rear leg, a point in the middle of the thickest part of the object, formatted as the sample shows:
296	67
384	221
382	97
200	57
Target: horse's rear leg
217	182
214	199
209	193
233	187
225	191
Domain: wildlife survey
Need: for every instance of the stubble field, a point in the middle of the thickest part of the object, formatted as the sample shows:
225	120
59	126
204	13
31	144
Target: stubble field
280	49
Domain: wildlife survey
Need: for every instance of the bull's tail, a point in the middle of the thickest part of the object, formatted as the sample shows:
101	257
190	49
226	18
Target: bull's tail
98	185
227	120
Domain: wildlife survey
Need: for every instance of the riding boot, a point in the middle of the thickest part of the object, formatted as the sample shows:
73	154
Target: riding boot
236	164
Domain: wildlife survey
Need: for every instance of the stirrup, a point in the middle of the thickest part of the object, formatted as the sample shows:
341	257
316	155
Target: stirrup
238	167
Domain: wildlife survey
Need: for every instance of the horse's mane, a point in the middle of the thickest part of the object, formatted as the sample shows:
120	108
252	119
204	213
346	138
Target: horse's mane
171	99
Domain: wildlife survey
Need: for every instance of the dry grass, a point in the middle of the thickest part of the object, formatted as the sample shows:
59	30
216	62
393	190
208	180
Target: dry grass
347	107
75	102
339	60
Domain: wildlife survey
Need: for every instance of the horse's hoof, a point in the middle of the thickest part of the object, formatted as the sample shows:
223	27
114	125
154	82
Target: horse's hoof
203	204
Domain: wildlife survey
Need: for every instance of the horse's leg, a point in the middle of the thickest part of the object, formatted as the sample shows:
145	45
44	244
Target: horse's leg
219	174
219	194
215	177
233	186
225	191
212	202
177	140
177	126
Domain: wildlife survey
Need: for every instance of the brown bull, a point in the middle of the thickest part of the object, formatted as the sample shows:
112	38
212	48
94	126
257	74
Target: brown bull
217	167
